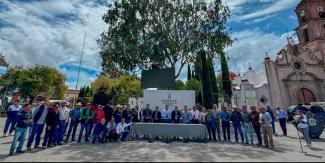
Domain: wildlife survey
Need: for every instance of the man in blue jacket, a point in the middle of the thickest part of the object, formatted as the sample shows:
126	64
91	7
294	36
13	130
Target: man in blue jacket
24	118
236	119
225	122
11	118
75	119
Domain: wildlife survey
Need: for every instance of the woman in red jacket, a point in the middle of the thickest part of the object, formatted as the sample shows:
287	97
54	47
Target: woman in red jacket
99	114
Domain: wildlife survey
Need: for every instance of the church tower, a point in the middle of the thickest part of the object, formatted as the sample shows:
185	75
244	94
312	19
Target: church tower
311	17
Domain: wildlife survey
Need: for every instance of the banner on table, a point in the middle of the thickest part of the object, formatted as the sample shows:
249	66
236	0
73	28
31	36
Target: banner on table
171	98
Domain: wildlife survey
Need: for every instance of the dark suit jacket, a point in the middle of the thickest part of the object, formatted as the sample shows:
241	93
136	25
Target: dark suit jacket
156	116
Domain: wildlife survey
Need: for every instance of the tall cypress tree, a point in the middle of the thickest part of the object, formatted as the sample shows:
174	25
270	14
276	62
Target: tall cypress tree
226	82
214	87
206	82
189	75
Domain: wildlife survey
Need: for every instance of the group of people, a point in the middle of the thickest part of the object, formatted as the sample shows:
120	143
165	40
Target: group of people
112	123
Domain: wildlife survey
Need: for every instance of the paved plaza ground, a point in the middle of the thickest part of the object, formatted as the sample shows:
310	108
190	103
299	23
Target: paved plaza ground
286	149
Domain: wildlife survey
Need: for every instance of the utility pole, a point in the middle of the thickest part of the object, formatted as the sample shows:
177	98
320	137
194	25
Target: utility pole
82	51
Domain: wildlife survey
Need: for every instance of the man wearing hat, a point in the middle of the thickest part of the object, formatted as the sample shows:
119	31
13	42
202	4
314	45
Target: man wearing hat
75	117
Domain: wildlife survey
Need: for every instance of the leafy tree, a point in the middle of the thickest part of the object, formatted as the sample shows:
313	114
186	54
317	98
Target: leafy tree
206	82
180	85
226	82
194	84
214	86
34	81
85	95
169	32
189	75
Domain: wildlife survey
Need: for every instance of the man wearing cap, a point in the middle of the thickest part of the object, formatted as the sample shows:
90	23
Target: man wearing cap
86	119
75	117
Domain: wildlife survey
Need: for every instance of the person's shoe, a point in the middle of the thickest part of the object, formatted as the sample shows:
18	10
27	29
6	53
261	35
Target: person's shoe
252	143
20	151
73	140
37	147
12	134
310	146
11	153
50	146
265	146
4	135
29	149
78	141
272	148
247	143
59	143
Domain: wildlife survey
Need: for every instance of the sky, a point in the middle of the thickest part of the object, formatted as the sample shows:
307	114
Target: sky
51	32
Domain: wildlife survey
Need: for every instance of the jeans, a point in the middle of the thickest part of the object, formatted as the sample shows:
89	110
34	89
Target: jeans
20	135
61	131
51	136
29	132
268	137
101	137
283	124
211	129
165	120
226	129
72	128
36	131
248	132
273	127
124	135
305	133
257	130
84	126
10	122
237	127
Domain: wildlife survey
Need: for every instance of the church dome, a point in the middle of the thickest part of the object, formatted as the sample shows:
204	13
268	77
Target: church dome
232	75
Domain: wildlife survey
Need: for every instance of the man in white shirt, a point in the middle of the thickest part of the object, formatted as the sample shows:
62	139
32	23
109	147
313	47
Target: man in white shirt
121	129
64	115
166	115
303	128
196	115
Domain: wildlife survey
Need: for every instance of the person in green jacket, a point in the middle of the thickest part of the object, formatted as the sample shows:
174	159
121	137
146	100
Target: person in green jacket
86	119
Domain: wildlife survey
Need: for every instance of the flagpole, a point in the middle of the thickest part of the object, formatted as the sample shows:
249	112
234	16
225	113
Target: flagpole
82	51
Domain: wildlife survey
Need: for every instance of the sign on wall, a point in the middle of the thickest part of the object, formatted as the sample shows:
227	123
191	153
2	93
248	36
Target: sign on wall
172	98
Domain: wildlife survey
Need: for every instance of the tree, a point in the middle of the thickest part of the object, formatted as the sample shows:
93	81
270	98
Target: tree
169	32
180	85
206	82
193	84
85	95
214	86
34	81
226	82
189	75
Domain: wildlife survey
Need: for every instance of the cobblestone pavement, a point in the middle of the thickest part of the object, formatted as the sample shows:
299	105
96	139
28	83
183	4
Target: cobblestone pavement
286	149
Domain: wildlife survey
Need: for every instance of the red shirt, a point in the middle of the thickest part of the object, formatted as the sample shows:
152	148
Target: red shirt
99	115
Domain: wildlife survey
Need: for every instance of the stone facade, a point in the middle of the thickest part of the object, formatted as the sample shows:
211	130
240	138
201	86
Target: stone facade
297	76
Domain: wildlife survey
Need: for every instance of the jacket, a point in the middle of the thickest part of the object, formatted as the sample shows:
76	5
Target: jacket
108	110
156	116
176	116
99	115
210	120
13	111
246	117
147	113
127	115
86	115
236	117
75	114
24	119
52	118
117	116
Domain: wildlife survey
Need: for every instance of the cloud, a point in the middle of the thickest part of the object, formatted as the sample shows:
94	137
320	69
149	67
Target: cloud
251	46
51	32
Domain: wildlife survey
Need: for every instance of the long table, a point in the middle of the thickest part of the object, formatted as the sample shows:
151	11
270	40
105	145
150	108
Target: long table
170	129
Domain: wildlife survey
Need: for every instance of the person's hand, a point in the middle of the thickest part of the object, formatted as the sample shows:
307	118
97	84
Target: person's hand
49	127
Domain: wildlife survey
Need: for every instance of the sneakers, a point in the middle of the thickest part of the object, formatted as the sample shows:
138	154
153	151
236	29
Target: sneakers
29	148
20	151
43	147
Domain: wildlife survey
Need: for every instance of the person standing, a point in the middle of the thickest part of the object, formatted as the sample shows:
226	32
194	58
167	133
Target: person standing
121	130
39	117
210	122
136	114
117	114
216	114
187	116
270	111
11	118
255	115
176	115
303	127
147	113
203	115
166	115
156	115
52	126
64	117
248	127
283	116
265	120
24	119
86	119
225	122
99	114
108	110
75	119
196	116
236	118
127	114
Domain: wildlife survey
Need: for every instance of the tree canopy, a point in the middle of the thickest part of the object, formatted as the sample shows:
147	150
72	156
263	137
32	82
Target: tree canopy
34	81
169	32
